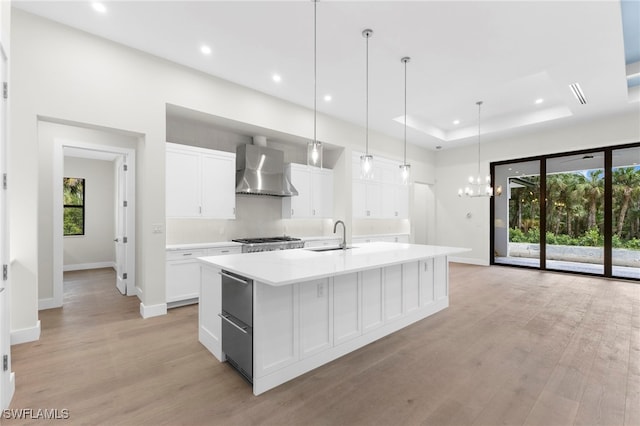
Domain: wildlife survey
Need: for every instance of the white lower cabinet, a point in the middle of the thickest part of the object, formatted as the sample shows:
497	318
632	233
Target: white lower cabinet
275	328
410	287
392	292
346	301
440	278
316	319
426	282
183	273
372	292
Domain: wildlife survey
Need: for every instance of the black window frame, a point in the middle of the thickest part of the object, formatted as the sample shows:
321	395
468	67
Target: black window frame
75	206
608	214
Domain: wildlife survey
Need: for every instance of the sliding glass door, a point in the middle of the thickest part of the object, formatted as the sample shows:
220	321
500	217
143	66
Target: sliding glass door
517	214
625	223
575	212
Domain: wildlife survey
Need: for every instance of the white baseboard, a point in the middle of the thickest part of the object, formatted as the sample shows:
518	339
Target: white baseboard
25	335
153	310
49	303
83	266
469	260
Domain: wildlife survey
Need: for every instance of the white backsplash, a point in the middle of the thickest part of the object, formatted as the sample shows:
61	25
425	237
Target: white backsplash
256	216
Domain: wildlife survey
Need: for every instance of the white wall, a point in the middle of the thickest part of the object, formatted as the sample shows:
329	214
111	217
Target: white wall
454	228
71	76
96	245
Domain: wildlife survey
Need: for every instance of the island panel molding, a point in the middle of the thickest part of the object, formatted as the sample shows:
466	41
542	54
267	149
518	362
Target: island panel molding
302	324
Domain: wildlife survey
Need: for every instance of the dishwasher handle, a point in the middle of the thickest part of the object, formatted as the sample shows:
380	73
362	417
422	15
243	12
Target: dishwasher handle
231	277
226	318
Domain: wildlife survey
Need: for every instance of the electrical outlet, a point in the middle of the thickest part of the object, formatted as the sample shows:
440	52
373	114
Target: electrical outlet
156	228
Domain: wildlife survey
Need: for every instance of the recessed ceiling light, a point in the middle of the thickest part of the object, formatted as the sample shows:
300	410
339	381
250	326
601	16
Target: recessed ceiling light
99	7
277	78
456	122
327	98
539	101
206	50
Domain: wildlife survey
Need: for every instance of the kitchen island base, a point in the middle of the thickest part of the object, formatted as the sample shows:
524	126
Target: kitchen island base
301	326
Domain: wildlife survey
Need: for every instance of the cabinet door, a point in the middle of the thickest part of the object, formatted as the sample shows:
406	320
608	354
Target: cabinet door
301	179
182	184
322	193
316	329
346	304
440	278
392	292
411	286
388	209
426	282
371	299
373	192
183	280
401	202
275	328
359	198
218	186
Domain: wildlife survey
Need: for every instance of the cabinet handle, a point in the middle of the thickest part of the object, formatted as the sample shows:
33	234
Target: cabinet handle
314	212
233	278
291	212
234	210
224	251
187	254
226	318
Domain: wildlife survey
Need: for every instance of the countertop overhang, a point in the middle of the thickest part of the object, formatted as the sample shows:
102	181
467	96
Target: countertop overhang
284	267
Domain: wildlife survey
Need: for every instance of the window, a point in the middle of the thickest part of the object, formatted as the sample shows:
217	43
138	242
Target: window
73	192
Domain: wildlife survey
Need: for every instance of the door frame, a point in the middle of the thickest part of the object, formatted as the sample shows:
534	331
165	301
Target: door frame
58	238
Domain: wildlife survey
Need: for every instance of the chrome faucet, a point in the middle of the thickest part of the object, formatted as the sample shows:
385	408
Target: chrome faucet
343	244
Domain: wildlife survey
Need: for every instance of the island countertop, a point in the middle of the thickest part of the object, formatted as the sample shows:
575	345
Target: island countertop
284	267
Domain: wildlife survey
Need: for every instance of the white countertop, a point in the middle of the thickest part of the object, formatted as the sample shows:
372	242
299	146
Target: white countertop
284	267
192	246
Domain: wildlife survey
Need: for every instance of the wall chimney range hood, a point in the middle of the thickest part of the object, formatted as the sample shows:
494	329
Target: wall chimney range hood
260	171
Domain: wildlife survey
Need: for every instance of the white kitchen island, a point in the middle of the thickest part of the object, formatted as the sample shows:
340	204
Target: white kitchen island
312	307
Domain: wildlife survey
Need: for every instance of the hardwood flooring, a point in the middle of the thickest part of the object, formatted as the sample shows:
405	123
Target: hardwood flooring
516	347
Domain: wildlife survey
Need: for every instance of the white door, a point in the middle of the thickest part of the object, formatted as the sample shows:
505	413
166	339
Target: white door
125	215
5	347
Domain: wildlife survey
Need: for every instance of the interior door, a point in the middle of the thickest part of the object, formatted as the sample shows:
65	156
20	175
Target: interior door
5	348
121	239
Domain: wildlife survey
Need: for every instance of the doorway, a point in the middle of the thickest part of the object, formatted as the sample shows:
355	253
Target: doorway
122	160
423	214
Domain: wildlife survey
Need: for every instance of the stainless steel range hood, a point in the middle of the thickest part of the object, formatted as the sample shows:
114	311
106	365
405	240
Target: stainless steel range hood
260	171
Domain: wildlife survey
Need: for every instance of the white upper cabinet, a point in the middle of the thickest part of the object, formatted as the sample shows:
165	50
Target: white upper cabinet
384	196
315	193
200	183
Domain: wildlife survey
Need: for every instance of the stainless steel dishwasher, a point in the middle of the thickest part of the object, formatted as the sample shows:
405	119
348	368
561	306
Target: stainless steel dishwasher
237	322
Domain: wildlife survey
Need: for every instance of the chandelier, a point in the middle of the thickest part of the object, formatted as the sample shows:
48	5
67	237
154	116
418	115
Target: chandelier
477	186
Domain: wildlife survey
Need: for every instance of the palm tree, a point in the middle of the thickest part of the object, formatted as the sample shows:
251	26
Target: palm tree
593	188
626	187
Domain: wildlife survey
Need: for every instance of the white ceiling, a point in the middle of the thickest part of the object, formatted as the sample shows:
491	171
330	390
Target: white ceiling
507	54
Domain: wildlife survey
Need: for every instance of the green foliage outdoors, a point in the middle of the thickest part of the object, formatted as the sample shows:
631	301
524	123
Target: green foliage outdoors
73	192
575	209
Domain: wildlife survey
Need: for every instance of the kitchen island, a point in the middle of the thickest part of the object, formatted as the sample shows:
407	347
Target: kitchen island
311	307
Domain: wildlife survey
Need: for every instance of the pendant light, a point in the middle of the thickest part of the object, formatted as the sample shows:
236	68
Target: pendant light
314	147
366	160
405	169
477	187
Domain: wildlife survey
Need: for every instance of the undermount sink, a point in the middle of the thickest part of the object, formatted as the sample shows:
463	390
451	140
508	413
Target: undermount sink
328	248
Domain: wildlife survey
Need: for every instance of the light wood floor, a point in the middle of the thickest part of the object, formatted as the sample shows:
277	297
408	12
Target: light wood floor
516	347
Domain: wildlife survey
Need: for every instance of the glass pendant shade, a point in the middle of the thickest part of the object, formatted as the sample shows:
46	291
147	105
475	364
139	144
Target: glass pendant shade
405	173
366	166
314	154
